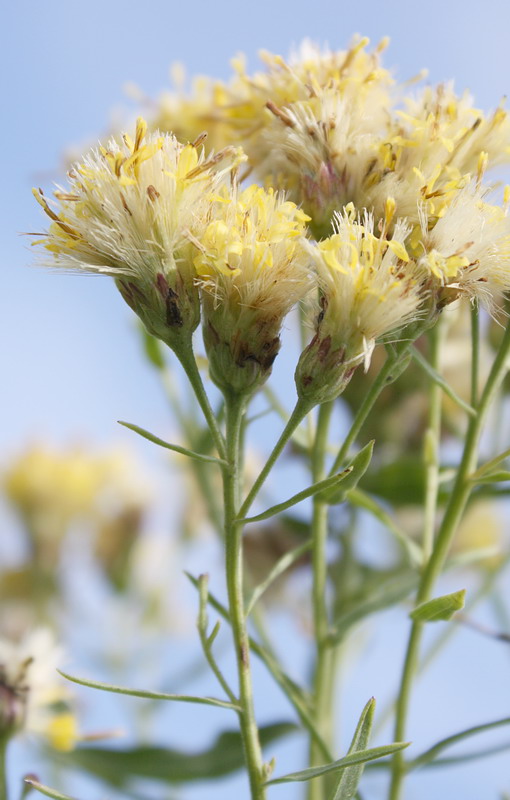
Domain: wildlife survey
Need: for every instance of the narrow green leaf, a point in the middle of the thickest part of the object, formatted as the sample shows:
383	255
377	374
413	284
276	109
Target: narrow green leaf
489	466
494	476
440	381
174	447
46	790
440	608
181	698
430	754
349	779
327	483
152	349
118	767
347	761
388	594
357	468
361	499
281	565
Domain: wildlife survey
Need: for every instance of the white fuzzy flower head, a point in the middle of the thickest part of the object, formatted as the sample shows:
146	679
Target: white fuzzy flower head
369	288
31	690
128	212
467	251
252	266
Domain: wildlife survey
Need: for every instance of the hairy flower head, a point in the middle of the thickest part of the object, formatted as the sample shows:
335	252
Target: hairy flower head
128	212
32	696
369	287
252	266
467	251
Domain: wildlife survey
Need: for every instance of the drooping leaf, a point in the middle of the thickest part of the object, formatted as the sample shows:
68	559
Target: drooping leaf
357	468
347	786
142	693
118	767
360	757
46	790
184	451
440	608
440	381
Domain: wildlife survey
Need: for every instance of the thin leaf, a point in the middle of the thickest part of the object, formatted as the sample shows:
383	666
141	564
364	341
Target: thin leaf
386	596
174	447
494	476
489	466
281	565
440	381
430	754
118	767
320	486
347	761
349	779
357	467
182	698
361	499
46	790
440	608
293	692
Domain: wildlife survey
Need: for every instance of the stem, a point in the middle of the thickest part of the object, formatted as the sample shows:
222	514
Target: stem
322	679
456	506
4	740
431	444
187	358
383	378
301	409
234	570
475	352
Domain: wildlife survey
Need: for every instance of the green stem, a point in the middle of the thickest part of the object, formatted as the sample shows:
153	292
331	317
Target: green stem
301	409
431	444
324	659
187	358
475	352
382	380
235	406
4	740
453	514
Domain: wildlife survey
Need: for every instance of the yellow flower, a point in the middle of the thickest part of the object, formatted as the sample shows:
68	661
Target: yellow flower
128	212
369	288
252	266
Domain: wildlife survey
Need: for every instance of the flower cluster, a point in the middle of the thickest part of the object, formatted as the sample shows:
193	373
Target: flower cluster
399	178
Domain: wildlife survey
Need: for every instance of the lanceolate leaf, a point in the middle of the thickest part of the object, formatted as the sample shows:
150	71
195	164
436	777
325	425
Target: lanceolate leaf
174	447
327	483
349	779
182	698
118	767
46	790
430	755
360	757
357	468
440	609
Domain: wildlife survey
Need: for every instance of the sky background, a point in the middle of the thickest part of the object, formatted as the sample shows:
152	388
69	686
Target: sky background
70	360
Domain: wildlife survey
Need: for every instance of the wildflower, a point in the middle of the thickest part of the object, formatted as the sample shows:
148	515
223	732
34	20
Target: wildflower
435	146
32	698
128	213
467	251
252	266
369	287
